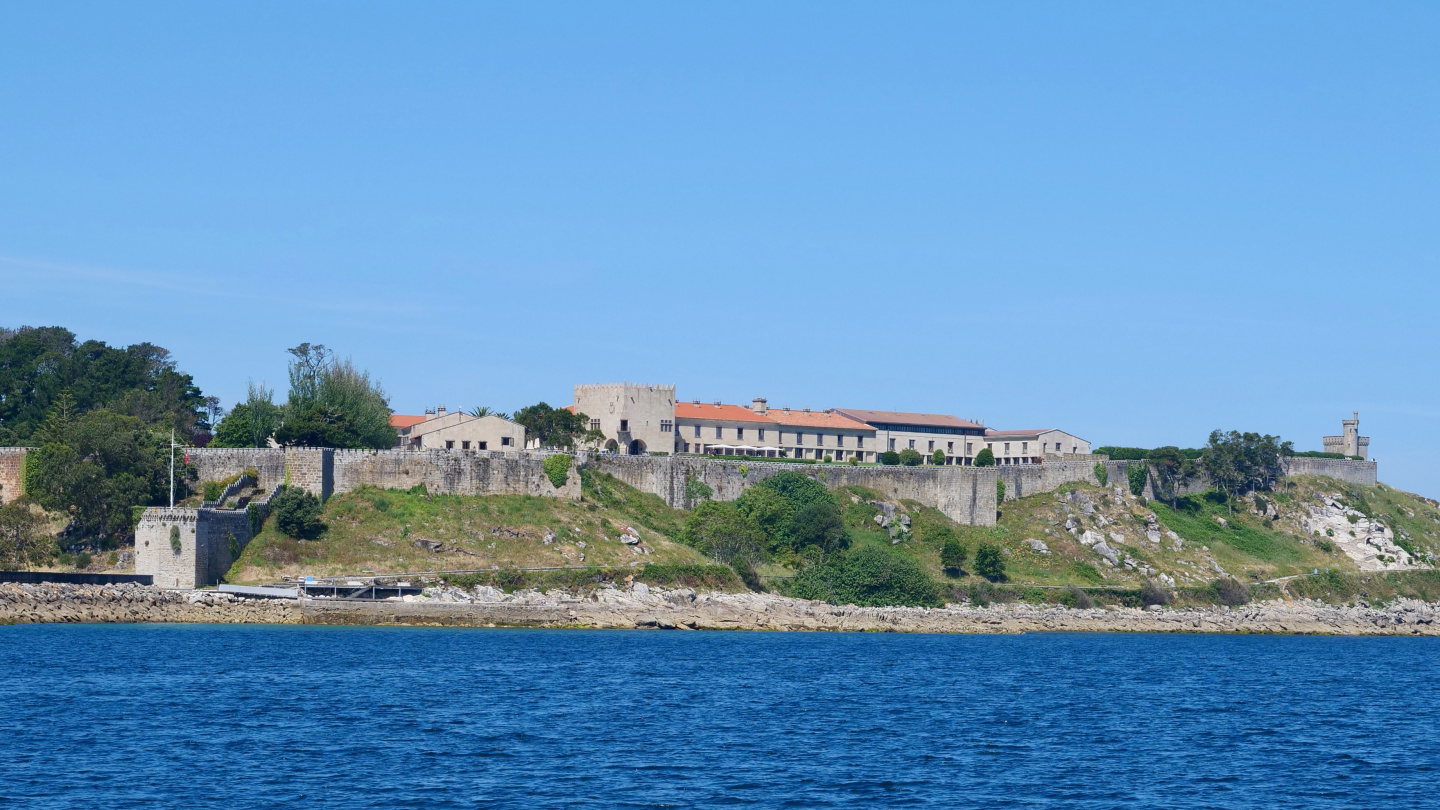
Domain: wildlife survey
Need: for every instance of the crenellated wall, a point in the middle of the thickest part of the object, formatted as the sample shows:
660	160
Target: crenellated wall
12	465
451	472
205	551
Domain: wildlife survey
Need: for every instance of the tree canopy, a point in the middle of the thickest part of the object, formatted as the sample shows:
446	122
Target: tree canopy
555	427
38	365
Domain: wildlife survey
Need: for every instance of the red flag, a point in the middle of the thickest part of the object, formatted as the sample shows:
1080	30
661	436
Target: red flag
187	459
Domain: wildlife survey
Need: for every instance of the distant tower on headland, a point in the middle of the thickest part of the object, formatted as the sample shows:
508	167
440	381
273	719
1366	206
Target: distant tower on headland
1351	443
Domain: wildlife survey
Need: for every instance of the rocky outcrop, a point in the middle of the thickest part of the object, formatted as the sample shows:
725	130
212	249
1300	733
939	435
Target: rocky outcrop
684	609
56	603
1370	543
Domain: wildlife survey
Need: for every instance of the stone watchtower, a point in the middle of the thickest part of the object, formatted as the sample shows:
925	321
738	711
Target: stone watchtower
1350	443
636	419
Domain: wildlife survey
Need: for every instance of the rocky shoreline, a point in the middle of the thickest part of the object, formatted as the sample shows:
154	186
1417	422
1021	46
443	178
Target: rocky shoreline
684	609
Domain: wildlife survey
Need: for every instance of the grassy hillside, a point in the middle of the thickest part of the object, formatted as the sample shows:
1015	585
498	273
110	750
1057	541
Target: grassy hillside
388	531
1200	539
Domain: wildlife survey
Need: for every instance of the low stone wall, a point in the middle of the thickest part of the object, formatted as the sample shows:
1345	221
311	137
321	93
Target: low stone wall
965	494
452	472
12	463
219	463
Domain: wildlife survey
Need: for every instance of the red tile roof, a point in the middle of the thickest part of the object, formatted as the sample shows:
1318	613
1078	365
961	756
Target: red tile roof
399	421
724	413
817	419
904	418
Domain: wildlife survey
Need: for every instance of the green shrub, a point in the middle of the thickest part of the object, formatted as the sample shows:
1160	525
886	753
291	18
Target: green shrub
1324	545
981	593
828	458
213	490
911	458
723	532
938	458
1153	593
1101	474
1137	473
175	539
819	525
697	490
868	575
990	562
999	492
890	458
1077	598
256	521
953	554
1229	591
557	469
853	461
83	560
985	458
297	513
233	544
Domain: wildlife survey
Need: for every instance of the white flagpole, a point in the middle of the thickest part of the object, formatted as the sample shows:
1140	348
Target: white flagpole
172	468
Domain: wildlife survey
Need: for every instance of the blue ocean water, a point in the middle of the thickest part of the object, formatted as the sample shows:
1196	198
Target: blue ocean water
247	716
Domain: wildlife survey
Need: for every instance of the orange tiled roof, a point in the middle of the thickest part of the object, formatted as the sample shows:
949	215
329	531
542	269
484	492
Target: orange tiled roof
904	418
400	421
725	413
817	419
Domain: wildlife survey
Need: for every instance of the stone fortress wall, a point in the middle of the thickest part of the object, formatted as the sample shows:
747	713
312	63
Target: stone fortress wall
12	462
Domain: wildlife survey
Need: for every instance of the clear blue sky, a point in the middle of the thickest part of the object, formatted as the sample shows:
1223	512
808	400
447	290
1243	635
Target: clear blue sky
1134	221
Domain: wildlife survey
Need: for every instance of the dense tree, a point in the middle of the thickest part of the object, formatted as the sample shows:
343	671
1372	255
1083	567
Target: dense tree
251	423
1244	462
23	541
911	458
990	562
819	526
37	366
297	513
985	458
1172	471
333	403
938	458
725	533
890	458
94	467
555	427
953	554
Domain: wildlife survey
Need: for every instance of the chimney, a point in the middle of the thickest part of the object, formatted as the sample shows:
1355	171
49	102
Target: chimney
759	405
806	411
439	411
717	403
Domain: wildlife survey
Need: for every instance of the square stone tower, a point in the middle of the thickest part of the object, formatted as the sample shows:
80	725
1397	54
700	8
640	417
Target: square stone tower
1350	442
637	419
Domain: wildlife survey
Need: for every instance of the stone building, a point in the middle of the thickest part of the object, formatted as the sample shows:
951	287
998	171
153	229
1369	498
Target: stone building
456	430
734	430
1033	446
959	439
635	419
1350	442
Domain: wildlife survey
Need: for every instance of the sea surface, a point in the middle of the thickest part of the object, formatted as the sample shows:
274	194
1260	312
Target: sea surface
247	716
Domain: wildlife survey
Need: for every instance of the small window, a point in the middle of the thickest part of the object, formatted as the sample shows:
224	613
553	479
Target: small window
739	434
665	425
697	431
484	445
859	441
624	425
799	438
949	447
892	444
840	440
594	424
449	444
1007	448
761	431
1024	447
932	446
719	432
464	445
912	444
819	439
506	441
969	448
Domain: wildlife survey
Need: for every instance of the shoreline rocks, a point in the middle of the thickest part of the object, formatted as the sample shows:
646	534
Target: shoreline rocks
684	609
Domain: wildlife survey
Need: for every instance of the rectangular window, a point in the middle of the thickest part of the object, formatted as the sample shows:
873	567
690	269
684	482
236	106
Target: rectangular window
697	431
449	444
483	445
739	434
718	433
799	438
819	439
1007	448
1024	447
624	425
594	424
859	441
892	444
912	444
464	445
840	440
969	448
506	441
932	446
761	431
665	425
949	447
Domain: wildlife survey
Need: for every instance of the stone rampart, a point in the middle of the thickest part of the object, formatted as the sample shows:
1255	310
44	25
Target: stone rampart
208	542
12	465
451	472
1354	472
965	494
219	463
1022	480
